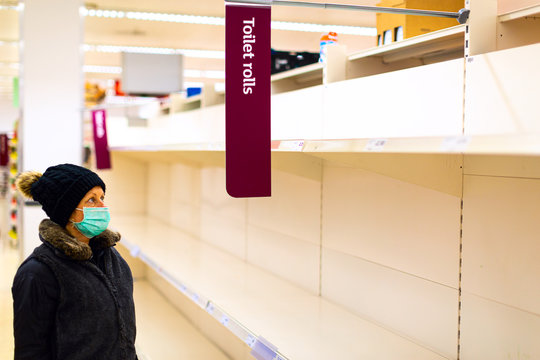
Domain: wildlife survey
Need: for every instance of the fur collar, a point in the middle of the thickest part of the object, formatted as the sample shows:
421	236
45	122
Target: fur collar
55	235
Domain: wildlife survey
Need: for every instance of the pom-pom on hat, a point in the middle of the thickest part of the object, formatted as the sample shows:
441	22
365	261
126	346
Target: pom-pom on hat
59	189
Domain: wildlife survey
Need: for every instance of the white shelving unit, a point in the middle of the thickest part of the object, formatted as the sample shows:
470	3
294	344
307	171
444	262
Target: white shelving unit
249	301
437	42
374	243
312	69
532	11
433	47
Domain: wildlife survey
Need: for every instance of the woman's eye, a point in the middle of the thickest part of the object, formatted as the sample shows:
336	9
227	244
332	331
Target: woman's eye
91	200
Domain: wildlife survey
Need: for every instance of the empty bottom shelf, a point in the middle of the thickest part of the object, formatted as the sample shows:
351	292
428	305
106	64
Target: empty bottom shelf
165	334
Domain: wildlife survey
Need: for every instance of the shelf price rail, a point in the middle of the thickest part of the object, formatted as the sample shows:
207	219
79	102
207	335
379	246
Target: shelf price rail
261	348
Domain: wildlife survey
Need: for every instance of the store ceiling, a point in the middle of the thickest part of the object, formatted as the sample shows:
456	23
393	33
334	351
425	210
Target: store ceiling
217	8
126	32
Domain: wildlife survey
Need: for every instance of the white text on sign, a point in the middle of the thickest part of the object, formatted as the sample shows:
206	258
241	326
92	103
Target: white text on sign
249	41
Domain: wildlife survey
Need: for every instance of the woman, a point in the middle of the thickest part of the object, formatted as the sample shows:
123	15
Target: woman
73	296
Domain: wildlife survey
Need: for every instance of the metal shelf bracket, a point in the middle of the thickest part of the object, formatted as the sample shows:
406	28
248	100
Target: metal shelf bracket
461	16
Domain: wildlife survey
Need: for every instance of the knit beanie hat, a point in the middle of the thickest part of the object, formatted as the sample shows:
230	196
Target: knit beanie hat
59	189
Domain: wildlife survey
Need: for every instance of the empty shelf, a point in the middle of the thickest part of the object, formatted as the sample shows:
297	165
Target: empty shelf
303	71
436	42
164	334
255	304
532	11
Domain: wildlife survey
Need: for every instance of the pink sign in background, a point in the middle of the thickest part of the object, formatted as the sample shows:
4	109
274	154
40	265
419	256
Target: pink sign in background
101	145
247	100
4	150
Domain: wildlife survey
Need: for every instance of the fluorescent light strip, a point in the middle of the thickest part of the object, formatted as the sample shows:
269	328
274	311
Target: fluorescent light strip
209	54
9	7
102	69
193	84
211	74
112	14
214	74
11	65
319	28
177	18
212	20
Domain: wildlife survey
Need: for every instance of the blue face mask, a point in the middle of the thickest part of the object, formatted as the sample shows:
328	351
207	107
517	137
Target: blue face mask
96	220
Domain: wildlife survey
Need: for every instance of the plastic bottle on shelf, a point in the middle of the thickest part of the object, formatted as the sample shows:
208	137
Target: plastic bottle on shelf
327	39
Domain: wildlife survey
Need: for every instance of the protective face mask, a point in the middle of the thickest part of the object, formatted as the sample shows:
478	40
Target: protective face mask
96	220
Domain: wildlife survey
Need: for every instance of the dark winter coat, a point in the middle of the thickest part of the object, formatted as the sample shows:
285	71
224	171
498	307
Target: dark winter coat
74	301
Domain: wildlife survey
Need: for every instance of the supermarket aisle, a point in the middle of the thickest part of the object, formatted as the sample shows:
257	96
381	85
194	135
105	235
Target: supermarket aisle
9	260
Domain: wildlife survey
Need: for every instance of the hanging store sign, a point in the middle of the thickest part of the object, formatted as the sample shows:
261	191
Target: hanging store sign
247	100
4	150
101	145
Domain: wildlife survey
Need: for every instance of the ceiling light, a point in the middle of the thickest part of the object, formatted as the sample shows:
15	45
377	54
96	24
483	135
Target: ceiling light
213	20
193	73
177	18
9	42
191	84
210	54
210	74
319	28
102	69
11	65
188	73
214	74
9	7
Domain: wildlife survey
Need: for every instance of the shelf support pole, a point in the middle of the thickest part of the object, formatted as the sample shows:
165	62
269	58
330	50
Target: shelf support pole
461	16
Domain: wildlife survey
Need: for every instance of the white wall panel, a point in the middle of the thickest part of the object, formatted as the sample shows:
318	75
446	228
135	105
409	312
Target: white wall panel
223	218
224	231
502	92
213	122
393	223
501	249
184	204
213	192
293	210
493	331
284	230
415	308
185	217
158	194
298	114
422	101
290	258
126	185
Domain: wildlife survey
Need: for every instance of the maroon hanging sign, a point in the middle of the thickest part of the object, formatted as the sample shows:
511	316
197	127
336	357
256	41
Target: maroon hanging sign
247	100
101	145
4	150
